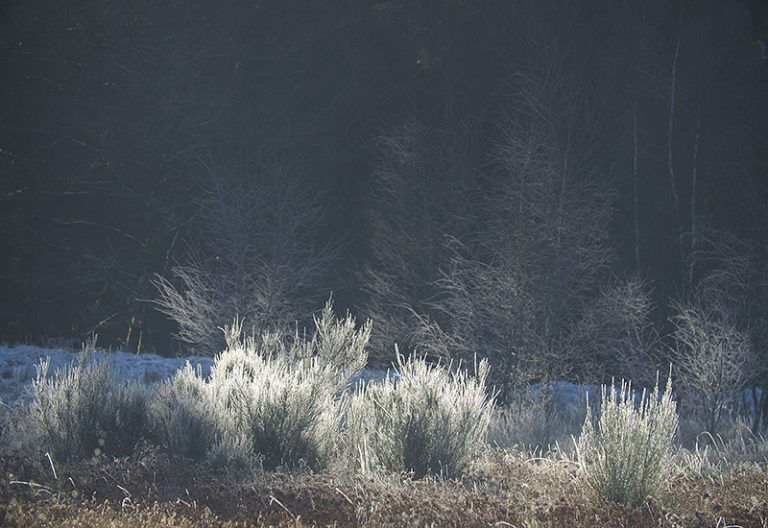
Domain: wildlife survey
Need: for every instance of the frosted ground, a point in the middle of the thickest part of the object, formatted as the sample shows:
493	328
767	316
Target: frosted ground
17	370
17	366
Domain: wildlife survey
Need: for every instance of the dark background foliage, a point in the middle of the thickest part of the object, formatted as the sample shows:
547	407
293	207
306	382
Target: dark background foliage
115	116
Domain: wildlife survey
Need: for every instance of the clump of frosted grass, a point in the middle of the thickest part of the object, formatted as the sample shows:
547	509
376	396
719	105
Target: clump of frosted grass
82	410
267	399
283	412
626	452
181	414
426	419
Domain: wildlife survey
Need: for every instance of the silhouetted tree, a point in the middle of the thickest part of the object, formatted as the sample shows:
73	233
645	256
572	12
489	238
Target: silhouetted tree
256	255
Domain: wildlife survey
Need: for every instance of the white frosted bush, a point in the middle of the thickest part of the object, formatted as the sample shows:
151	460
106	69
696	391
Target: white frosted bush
426	419
267	398
284	412
626	452
338	346
182	414
82	410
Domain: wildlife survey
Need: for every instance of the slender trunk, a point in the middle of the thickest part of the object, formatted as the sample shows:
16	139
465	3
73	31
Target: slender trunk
563	187
760	422
681	271
671	129
636	187
695	176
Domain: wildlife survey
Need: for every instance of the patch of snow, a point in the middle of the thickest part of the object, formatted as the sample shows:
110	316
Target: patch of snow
372	376
17	370
17	366
569	397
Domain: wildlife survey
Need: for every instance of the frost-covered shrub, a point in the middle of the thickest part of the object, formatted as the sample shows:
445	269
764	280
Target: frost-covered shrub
82	410
626	452
426	419
338	346
182	414
283	412
267	398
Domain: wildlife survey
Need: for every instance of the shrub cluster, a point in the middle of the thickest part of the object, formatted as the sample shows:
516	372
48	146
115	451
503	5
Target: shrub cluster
275	402
272	402
81	411
424	418
626	452
267	399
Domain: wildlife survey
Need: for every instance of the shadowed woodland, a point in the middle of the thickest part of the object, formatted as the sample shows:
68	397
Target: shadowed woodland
554	186
510	202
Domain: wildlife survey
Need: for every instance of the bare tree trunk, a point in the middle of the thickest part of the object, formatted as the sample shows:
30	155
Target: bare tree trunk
636	187
694	178
563	186
670	130
760	400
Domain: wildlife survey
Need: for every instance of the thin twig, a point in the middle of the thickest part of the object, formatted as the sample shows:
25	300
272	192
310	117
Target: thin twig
33	485
272	499
345	496
53	468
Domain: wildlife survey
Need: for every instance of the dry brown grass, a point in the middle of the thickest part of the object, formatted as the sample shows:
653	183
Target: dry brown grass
501	489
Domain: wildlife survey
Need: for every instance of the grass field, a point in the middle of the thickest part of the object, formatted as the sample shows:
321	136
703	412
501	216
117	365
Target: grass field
49	479
501	488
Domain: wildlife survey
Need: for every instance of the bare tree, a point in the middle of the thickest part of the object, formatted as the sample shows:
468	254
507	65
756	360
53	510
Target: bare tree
615	337
515	291
735	278
714	360
418	195
258	256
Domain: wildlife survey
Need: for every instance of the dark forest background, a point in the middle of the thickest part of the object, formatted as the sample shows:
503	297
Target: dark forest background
557	180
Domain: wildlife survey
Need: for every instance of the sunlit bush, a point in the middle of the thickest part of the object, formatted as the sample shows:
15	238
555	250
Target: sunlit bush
267	398
282	412
182	415
626	452
82	410
425	419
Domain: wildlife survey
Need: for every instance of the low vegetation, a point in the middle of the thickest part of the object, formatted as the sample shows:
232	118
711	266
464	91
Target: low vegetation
277	435
423	419
626	453
268	401
83	411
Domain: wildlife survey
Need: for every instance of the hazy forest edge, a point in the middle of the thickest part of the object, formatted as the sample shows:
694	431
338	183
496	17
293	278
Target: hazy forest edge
399	154
460	244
